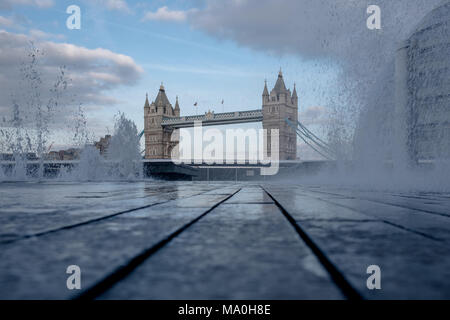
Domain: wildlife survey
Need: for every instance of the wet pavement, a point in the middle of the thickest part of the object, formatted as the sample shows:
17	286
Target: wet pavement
194	240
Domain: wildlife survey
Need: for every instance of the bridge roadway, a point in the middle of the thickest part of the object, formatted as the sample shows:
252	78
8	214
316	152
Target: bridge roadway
211	119
187	240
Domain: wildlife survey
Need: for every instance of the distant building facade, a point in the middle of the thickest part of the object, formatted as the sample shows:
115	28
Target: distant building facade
69	154
423	87
103	144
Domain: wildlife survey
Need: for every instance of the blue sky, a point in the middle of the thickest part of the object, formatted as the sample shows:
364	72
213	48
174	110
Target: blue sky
191	64
205	51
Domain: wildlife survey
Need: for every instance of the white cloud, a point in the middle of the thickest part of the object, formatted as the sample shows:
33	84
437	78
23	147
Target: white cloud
39	3
324	32
310	28
164	14
6	22
8	4
93	73
41	35
116	5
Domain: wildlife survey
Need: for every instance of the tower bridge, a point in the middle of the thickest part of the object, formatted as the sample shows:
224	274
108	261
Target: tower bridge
213	119
161	119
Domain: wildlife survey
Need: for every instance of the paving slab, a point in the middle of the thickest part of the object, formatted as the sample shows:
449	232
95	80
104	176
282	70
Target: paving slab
413	266
27	212
428	225
237	251
424	202
35	268
199	243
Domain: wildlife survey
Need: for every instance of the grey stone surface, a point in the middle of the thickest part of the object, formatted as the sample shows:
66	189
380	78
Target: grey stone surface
34	268
27	211
399	212
412	265
242	247
238	251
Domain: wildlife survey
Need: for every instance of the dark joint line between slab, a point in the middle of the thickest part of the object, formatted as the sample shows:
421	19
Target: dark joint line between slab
336	220
341	282
250	202
79	224
386	203
122	272
412	208
413	231
386	221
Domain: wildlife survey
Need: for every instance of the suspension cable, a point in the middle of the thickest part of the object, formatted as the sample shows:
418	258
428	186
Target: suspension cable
314	142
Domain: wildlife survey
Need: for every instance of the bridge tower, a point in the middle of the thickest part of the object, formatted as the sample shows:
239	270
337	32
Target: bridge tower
157	137
276	107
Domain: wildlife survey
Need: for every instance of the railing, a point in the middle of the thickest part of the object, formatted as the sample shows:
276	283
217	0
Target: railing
228	117
214	117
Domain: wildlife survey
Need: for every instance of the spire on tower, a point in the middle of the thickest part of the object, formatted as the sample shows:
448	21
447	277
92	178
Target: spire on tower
265	92
294	93
176	110
280	87
161	98
146	105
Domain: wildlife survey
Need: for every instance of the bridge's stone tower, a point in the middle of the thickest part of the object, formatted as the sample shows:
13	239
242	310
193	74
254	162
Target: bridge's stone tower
279	105
157	137
276	107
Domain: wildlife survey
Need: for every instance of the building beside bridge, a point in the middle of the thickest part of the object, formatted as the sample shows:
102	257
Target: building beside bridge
423	87
161	119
